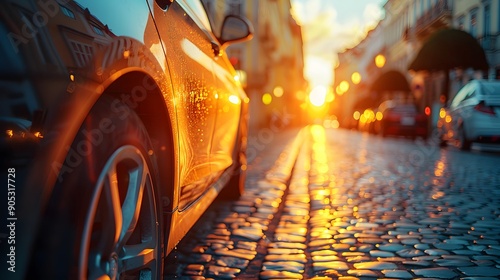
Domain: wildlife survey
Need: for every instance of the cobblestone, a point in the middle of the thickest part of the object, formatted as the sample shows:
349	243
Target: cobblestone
333	204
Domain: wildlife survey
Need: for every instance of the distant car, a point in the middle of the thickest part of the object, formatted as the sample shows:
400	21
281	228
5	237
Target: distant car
472	116
122	121
401	119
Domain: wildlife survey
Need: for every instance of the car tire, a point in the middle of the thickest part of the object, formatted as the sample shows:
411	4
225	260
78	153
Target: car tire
383	132
442	142
463	143
102	221
236	185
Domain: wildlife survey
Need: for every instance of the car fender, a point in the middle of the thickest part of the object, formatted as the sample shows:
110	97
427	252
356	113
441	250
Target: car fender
84	87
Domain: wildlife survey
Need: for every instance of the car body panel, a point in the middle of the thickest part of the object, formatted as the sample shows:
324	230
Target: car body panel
196	104
61	58
402	120
463	114
58	80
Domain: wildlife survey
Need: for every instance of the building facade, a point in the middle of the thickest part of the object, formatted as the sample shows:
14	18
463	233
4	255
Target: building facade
406	27
272	63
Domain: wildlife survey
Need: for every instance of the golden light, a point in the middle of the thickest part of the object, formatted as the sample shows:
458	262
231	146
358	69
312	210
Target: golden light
379	116
278	91
241	77
439	170
356	115
300	95
38	134
344	86
448	119
9	132
442	113
368	115
126	54
339	91
234	99
380	61
356	78
317	97
72	77
330	96
267	98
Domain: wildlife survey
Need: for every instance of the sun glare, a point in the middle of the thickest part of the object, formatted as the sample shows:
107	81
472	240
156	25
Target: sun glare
318	96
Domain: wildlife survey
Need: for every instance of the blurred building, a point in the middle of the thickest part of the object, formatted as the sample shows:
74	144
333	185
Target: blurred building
272	63
400	35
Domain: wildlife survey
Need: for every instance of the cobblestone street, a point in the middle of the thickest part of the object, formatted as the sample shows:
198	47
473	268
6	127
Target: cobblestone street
337	204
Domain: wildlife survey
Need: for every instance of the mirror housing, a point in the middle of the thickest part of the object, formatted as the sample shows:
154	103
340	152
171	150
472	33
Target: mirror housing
235	29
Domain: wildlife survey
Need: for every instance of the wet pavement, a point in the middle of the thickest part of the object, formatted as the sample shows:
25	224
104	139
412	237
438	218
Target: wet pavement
336	204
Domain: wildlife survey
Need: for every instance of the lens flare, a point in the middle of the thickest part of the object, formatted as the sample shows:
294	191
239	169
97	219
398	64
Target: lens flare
318	96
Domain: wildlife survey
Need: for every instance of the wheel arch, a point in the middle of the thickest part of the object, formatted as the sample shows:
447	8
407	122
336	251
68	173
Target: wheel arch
157	119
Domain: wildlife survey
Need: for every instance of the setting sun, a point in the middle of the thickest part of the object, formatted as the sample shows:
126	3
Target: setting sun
318	96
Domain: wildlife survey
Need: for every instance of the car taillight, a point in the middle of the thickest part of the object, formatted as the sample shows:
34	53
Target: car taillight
481	107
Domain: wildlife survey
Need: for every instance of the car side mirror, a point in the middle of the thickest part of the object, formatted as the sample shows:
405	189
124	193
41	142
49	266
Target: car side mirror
235	29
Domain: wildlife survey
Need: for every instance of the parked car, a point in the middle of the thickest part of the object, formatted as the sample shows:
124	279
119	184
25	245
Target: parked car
472	116
135	122
401	119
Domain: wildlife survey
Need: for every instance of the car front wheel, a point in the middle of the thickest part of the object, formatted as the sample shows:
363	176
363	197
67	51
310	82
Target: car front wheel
121	233
102	220
463	143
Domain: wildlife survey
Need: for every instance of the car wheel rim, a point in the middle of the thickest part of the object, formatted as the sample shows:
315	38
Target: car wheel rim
120	237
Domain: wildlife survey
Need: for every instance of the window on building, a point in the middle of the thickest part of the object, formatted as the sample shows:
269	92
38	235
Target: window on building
235	7
67	12
82	52
487	20
97	30
461	23
473	23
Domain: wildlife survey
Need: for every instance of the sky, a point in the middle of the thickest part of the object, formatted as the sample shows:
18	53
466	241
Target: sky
329	27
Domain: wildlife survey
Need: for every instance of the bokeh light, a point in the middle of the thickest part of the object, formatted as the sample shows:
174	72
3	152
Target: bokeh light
356	115
344	86
278	91
356	78
267	98
380	61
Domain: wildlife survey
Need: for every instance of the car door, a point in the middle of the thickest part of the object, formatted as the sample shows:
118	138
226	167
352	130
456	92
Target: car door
230	98
185	32
461	108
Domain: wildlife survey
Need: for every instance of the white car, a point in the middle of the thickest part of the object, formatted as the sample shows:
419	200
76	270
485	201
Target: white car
473	115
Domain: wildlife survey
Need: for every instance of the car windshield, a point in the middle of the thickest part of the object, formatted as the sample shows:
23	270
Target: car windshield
491	89
403	109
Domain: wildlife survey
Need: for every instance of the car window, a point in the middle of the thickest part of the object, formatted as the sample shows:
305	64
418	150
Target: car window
197	12
461	95
404	109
